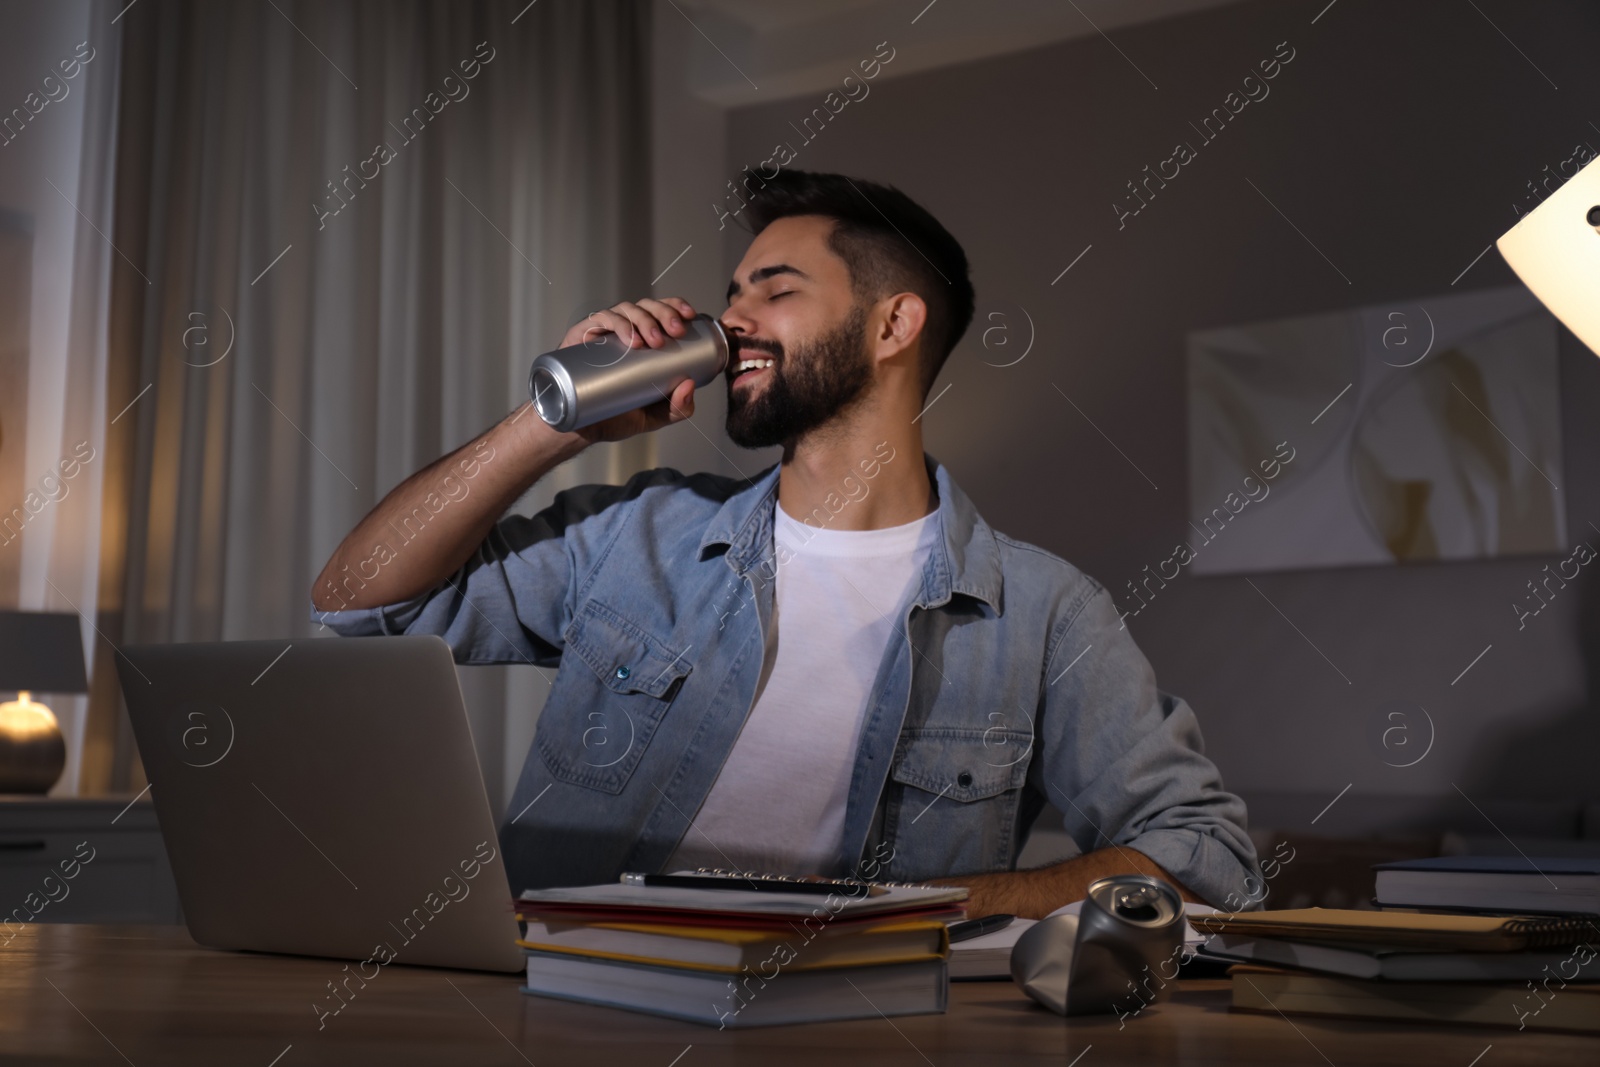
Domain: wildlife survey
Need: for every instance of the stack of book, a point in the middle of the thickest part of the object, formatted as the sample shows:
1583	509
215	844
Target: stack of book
1490	941
745	952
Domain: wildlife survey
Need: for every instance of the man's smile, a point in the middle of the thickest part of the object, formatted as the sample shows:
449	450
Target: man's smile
752	367
750	361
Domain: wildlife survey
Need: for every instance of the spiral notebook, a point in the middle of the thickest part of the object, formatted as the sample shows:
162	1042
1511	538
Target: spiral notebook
1419	931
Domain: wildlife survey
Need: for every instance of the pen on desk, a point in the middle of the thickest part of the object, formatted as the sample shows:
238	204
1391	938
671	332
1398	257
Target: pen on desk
760	885
966	931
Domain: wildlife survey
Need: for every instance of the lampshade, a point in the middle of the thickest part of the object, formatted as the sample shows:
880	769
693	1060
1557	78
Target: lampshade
41	652
1555	250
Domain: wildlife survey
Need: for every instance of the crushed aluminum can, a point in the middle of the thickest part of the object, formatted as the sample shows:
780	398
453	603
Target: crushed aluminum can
1107	957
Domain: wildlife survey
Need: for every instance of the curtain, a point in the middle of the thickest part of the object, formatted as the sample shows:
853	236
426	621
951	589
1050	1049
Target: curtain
56	171
354	225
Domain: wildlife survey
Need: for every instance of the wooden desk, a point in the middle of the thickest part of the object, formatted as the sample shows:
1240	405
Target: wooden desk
69	993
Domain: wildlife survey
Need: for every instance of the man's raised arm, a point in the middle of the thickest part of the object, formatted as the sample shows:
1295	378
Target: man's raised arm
502	464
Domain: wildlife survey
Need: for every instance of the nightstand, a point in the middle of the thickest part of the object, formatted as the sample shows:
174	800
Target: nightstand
98	860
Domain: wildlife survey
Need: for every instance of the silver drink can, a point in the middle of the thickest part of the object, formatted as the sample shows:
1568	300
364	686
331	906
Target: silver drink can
1116	955
1130	936
587	383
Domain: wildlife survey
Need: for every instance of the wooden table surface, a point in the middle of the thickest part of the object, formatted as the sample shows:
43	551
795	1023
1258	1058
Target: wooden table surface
148	995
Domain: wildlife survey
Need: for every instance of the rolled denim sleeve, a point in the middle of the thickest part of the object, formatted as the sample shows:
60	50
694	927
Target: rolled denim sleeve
385	620
513	599
1125	763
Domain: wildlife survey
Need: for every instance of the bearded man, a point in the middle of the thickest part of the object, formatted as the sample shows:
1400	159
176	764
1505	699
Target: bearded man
834	668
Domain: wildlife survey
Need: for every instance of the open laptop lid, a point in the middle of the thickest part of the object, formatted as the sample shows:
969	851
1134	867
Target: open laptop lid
322	797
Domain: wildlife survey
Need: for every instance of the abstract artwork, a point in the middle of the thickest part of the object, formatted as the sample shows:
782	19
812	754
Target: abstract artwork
1402	432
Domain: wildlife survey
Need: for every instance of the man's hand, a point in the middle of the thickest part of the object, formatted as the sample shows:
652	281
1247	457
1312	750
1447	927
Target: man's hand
1035	894
649	323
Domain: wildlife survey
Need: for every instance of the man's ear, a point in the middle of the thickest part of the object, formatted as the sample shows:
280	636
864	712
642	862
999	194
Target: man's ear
904	315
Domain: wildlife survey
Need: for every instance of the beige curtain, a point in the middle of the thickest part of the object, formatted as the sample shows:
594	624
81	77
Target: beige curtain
56	171
359	223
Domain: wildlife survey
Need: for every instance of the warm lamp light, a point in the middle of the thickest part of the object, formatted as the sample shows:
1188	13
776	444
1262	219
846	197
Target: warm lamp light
34	750
1555	250
39	651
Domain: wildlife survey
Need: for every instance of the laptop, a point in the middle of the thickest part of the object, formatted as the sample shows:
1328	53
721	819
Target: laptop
322	797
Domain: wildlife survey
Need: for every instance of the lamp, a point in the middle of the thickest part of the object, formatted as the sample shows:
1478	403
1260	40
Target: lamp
1555	250
39	651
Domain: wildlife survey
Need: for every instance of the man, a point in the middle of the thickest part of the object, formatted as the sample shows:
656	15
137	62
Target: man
834	668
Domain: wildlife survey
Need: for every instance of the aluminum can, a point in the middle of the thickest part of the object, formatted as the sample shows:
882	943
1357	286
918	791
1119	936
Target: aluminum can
1130	934
1118	954
587	383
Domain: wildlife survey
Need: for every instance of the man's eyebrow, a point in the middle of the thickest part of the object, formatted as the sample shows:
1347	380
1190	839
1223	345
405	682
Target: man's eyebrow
763	273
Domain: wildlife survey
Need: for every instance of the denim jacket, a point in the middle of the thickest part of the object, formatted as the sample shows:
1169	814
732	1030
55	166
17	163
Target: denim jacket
1011	682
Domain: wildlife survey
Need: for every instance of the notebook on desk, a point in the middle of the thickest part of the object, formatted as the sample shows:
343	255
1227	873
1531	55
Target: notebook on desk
989	955
1417	931
1376	961
635	900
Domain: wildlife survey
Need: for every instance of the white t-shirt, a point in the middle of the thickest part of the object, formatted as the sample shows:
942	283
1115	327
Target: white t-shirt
779	803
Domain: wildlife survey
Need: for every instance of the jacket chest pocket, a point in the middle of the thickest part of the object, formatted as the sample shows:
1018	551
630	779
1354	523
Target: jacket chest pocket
958	794
609	699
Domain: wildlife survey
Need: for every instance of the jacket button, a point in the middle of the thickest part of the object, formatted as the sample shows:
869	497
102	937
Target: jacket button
964	779
623	671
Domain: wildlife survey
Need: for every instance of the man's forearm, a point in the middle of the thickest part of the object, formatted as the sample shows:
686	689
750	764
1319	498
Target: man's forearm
1036	893
431	523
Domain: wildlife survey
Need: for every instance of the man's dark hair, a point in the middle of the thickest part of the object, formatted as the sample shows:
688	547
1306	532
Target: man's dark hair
890	243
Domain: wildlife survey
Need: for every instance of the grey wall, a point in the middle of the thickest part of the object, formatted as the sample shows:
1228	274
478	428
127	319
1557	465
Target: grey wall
688	138
1397	139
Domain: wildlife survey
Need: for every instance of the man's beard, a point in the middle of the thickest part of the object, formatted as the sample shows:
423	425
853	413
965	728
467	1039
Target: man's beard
805	388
